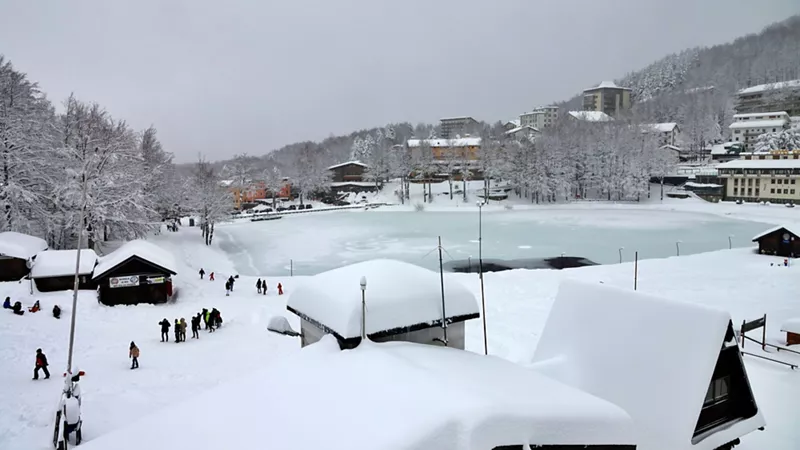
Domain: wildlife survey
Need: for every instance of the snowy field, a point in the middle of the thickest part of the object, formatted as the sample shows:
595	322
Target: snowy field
517	306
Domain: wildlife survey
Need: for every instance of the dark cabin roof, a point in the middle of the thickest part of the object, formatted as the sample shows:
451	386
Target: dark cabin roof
781	228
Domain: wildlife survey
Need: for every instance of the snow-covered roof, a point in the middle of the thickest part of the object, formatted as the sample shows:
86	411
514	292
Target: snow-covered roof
671	147
456	118
761	114
352	183
529	128
457	142
795	231
356	163
398	295
607	84
591	116
692	184
761	164
652	357
722	149
59	263
770	87
139	248
791	325
388	396
666	127
514	122
18	245
771	123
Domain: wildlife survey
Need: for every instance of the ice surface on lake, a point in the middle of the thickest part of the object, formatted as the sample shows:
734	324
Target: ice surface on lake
311	243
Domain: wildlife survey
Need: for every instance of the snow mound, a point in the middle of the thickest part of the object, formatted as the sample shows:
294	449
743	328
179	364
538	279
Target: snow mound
280	324
22	246
382	396
398	295
658	352
139	248
791	325
59	263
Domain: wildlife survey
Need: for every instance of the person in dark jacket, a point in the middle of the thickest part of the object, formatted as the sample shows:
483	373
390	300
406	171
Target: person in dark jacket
205	315
196	326
17	308
41	363
264	287
258	285
7	303
177	331
231	280
213	322
164	330
202	272
56	311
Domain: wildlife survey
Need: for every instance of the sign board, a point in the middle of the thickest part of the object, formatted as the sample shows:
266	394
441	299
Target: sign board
129	280
155	280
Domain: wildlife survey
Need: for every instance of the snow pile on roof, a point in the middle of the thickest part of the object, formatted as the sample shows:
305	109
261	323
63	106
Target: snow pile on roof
771	123
514	122
142	249
356	163
652	357
444	119
457	142
59	263
398	295
770	87
692	184
763	115
22	246
528	128
390	396
591	116
666	127
761	164
795	231
607	84
724	148
791	325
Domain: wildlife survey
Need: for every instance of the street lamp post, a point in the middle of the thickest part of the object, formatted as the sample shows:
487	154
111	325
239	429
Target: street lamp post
480	274
620	254
76	282
678	248
730	242
363	308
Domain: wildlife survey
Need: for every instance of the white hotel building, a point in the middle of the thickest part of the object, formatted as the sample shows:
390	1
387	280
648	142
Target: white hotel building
746	128
757	177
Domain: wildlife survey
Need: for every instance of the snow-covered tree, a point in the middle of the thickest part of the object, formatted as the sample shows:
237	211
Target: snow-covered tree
310	170
210	199
781	140
273	182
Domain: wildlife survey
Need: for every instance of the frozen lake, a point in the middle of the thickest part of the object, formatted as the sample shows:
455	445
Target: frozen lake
315	242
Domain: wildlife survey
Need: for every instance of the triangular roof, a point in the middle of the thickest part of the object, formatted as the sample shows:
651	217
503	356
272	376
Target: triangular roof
653	357
348	163
523	127
792	230
138	249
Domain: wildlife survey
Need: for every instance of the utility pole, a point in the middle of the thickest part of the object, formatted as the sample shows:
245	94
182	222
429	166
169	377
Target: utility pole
76	284
480	274
441	280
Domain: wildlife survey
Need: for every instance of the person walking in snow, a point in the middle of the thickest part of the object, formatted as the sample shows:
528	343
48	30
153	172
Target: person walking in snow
205	317
164	330
56	311
41	363
202	272
211	276
231	280
216	318
227	288
183	329
133	354
258	285
196	326
177	331
280	289
264	287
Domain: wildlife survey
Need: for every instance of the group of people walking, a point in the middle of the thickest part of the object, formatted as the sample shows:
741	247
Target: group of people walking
212	320
261	285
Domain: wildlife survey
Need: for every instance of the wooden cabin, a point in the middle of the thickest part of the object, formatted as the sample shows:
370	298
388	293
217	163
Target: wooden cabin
137	272
54	270
792	329
779	241
348	171
404	303
17	253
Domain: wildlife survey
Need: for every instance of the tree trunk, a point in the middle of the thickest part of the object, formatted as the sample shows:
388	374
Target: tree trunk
450	181
662	188
211	234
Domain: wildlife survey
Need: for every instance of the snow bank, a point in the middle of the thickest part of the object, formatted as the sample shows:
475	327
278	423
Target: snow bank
398	295
791	325
142	249
18	245
59	263
652	357
381	396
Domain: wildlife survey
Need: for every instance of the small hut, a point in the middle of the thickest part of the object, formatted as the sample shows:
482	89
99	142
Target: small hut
403	303
792	329
54	270
674	367
17	252
779	241
137	272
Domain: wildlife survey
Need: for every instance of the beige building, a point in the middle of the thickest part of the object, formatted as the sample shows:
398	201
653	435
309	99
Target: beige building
782	96
539	118
667	132
762	177
458	126
746	128
607	97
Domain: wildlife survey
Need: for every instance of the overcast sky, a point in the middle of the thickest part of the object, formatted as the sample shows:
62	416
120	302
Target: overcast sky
223	77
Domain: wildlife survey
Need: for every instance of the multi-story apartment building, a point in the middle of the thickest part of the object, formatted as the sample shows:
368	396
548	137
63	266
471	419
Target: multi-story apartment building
445	149
746	128
756	177
607	97
667	132
539	118
782	96
458	126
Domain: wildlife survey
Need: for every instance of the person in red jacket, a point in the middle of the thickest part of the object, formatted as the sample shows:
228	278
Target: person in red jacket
41	363
280	289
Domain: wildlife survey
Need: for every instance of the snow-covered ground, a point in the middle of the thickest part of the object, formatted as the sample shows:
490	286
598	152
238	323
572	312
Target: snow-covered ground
517	304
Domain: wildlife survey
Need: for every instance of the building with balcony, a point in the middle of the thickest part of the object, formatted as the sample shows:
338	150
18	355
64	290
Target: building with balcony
466	149
608	98
746	128
782	96
539	118
756	177
452	127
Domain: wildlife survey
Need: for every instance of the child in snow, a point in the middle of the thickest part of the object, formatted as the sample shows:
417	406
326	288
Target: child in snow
211	276
7	303
164	330
35	307
133	354
280	289
202	272
41	363
56	311
258	285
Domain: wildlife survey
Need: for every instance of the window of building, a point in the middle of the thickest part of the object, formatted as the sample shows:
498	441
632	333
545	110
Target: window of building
791	191
757	180
736	182
735	191
785	191
792	181
749	181
780	181
773	130
772	191
749	191
717	391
